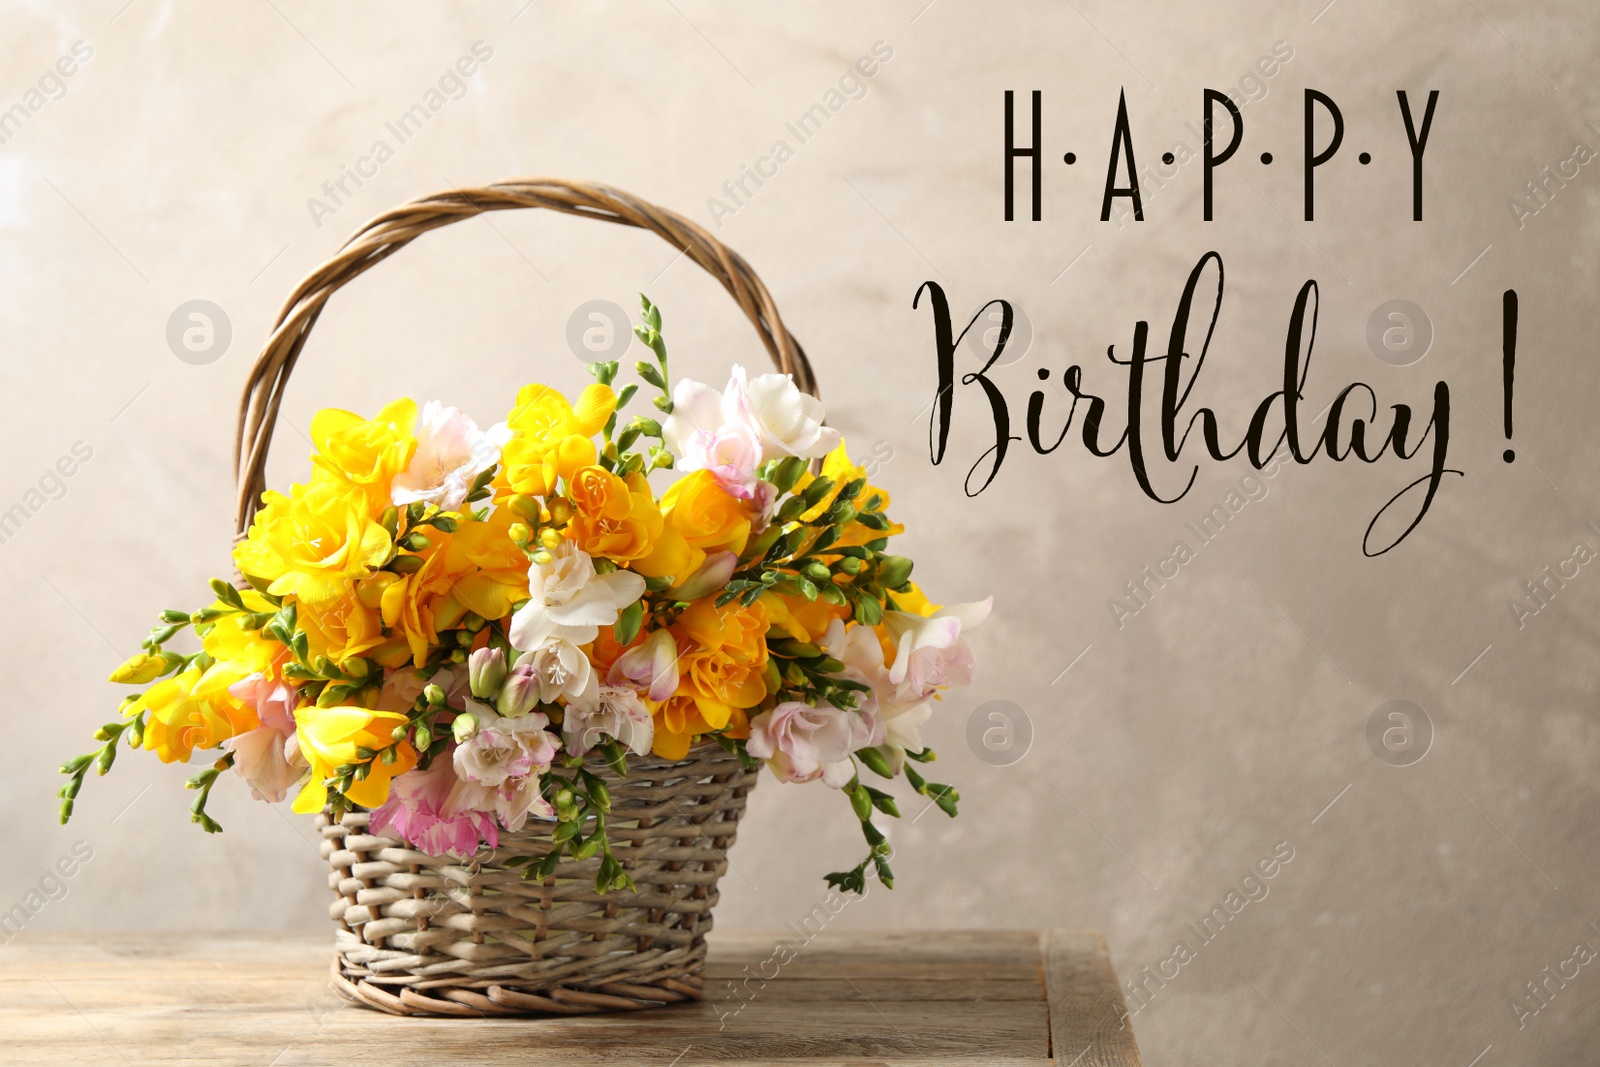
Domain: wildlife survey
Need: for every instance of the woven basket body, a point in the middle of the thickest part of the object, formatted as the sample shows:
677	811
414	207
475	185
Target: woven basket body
422	934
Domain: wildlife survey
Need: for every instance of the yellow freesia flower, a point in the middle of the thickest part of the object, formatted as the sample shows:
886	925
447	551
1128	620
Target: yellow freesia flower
340	628
683	719
802	619
329	738
915	601
192	710
736	631
229	642
550	439
476	569
366	453
487	572
613	518
708	517
313	544
722	653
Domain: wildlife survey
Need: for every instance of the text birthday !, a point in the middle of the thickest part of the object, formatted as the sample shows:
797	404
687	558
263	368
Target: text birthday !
1178	368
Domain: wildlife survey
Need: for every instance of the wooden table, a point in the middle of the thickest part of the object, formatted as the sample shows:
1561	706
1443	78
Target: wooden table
989	997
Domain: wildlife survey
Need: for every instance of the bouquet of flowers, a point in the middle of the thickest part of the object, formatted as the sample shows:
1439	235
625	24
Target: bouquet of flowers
451	627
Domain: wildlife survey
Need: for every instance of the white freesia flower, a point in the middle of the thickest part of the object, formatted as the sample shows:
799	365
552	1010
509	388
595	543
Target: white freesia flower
732	432
615	712
559	670
504	748
570	600
787	421
451	452
932	635
708	430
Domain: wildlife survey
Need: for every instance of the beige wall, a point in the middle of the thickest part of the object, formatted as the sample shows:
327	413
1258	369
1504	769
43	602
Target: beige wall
1183	747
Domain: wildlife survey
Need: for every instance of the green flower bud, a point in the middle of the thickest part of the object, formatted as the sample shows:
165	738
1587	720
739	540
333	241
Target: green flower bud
790	510
894	571
787	472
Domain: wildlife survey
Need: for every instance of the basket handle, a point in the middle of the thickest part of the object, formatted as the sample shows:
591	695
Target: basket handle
393	230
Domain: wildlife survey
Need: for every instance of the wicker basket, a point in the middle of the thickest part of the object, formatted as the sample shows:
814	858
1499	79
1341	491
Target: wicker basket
422	935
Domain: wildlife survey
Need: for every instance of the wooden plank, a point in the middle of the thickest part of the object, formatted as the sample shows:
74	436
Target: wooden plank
885	997
40	1031
1088	1017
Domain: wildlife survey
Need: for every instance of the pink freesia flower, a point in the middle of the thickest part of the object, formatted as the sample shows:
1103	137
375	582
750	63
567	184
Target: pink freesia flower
505	748
939	633
268	757
731	453
415	812
400	689
269	760
651	666
930	655
802	743
708	578
272	698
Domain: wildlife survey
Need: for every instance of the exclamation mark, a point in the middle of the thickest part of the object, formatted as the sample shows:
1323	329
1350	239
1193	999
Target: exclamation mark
1508	359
